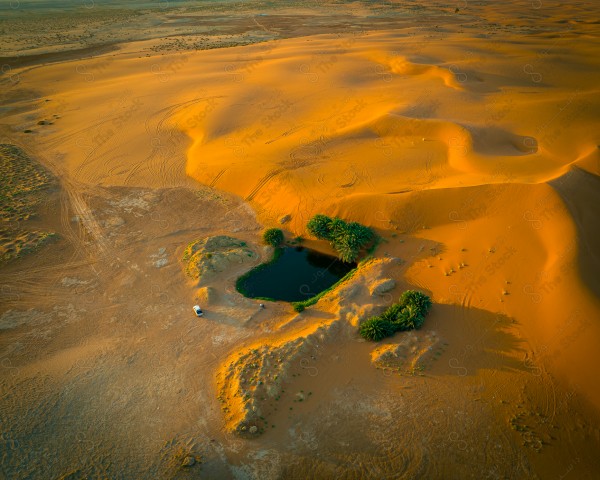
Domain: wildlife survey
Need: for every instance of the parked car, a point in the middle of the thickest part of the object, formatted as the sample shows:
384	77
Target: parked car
198	311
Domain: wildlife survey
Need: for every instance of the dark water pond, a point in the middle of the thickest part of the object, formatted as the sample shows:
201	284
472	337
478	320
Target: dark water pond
298	274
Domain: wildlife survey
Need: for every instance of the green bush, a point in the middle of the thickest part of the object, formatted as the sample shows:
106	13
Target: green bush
408	314
421	301
358	234
346	238
320	227
273	237
392	314
299	306
410	318
376	328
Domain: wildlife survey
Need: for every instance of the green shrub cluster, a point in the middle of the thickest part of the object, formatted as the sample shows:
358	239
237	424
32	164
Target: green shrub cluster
376	328
408	314
273	237
347	238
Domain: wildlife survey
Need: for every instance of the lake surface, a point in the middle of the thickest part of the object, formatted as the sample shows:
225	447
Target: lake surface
298	274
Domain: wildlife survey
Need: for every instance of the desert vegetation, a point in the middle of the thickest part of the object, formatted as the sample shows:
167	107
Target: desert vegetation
408	314
347	238
24	187
273	237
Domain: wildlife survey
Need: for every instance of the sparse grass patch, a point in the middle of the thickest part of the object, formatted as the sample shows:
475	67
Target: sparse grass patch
22	188
22	182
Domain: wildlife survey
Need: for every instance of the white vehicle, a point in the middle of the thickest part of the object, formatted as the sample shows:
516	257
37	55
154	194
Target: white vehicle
198	311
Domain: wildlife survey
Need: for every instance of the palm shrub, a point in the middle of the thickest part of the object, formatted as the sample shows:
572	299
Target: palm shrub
346	238
417	299
320	227
393	312
337	229
349	238
273	237
359	234
410	318
376	328
337	238
408	314
346	252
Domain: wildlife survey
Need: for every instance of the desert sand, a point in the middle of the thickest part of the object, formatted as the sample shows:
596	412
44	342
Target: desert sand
466	135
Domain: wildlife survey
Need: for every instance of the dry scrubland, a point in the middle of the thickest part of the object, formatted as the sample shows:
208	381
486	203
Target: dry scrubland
139	138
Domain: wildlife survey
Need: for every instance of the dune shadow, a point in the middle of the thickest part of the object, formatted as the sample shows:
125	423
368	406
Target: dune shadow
580	191
473	339
497	141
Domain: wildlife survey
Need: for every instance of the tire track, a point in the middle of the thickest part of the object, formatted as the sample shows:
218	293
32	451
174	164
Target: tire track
160	161
170	111
262	182
60	139
216	179
68	204
86	219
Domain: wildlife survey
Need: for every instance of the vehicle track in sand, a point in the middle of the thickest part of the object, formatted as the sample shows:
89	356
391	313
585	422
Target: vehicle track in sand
262	182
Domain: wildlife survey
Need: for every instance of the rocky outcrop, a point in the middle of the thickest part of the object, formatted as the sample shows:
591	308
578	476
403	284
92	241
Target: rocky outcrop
416	352
252	379
356	314
381	287
364	295
206	258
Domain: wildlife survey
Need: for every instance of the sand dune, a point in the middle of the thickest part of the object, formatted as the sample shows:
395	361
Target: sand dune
467	139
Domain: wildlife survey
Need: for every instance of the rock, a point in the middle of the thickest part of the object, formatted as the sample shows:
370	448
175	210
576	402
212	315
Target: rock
285	219
161	262
415	348
114	222
160	258
357	314
389	352
382	286
350	291
188	461
72	282
253	429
